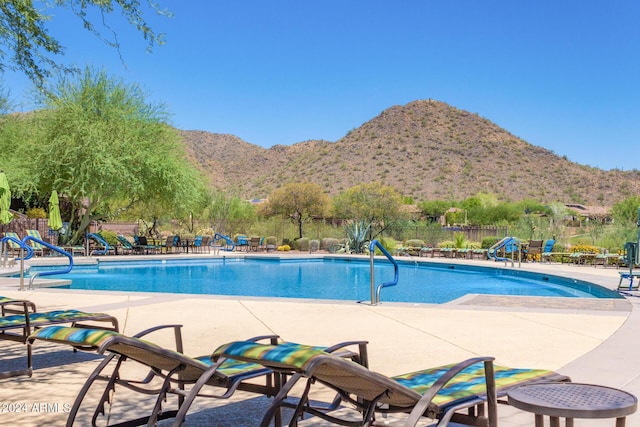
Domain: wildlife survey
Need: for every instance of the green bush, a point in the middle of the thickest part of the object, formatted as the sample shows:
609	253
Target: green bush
271	240
489	241
109	236
36	213
388	243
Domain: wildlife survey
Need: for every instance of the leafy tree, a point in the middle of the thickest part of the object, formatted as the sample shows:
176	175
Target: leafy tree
376	204
224	212
299	201
31	49
626	211
434	209
625	215
105	149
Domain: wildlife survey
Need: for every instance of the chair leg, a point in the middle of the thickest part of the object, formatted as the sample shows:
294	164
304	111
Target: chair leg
193	393
85	389
274	409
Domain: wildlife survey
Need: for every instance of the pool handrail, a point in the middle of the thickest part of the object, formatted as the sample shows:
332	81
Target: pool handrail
375	296
28	248
47	273
227	239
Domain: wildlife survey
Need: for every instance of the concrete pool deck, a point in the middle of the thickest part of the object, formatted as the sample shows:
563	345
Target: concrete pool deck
593	341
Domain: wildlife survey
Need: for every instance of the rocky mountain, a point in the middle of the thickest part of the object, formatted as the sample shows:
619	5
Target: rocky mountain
425	149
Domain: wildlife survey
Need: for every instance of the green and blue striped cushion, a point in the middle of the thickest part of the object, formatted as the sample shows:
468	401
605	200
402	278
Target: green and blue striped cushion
58	316
286	355
83	337
34	244
73	336
468	383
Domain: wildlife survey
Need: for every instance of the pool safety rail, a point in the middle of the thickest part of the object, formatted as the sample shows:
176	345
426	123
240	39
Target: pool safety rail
375	293
229	245
24	247
511	246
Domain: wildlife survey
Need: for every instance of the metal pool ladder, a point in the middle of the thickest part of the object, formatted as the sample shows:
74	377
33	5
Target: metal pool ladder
375	293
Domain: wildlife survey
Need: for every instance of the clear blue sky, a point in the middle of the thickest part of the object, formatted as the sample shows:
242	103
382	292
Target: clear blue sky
560	74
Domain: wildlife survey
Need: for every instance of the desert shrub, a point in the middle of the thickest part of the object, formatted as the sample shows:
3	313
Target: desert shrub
328	242
459	240
301	244
413	243
314	245
271	240
446	244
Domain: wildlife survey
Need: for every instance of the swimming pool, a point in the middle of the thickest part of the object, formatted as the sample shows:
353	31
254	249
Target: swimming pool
321	278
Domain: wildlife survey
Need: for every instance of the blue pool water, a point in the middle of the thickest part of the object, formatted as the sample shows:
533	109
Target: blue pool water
336	279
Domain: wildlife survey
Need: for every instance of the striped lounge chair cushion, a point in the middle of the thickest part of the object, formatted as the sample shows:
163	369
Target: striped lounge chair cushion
58	316
470	382
82	337
286	355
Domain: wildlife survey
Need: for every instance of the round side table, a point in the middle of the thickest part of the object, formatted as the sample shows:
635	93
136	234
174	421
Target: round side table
573	400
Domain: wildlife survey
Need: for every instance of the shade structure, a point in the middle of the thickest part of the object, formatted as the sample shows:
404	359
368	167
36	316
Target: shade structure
55	221
5	200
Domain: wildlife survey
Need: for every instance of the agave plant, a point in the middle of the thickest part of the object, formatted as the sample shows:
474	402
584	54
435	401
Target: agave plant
357	232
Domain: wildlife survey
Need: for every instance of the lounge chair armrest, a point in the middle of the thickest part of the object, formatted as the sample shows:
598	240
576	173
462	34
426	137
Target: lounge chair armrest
273	339
422	405
177	330
26	306
155	328
361	357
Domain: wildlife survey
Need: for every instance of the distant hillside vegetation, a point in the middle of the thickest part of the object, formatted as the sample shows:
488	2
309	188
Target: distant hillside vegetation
425	149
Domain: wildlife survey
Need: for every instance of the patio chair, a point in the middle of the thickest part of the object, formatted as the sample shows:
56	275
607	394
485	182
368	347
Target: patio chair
18	327
534	250
437	393
37	247
172	368
171	245
11	244
254	243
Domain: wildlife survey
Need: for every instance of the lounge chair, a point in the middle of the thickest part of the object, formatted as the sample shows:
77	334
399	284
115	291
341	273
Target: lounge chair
125	245
8	306
143	244
35	245
436	393
18	327
172	367
549	255
11	243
